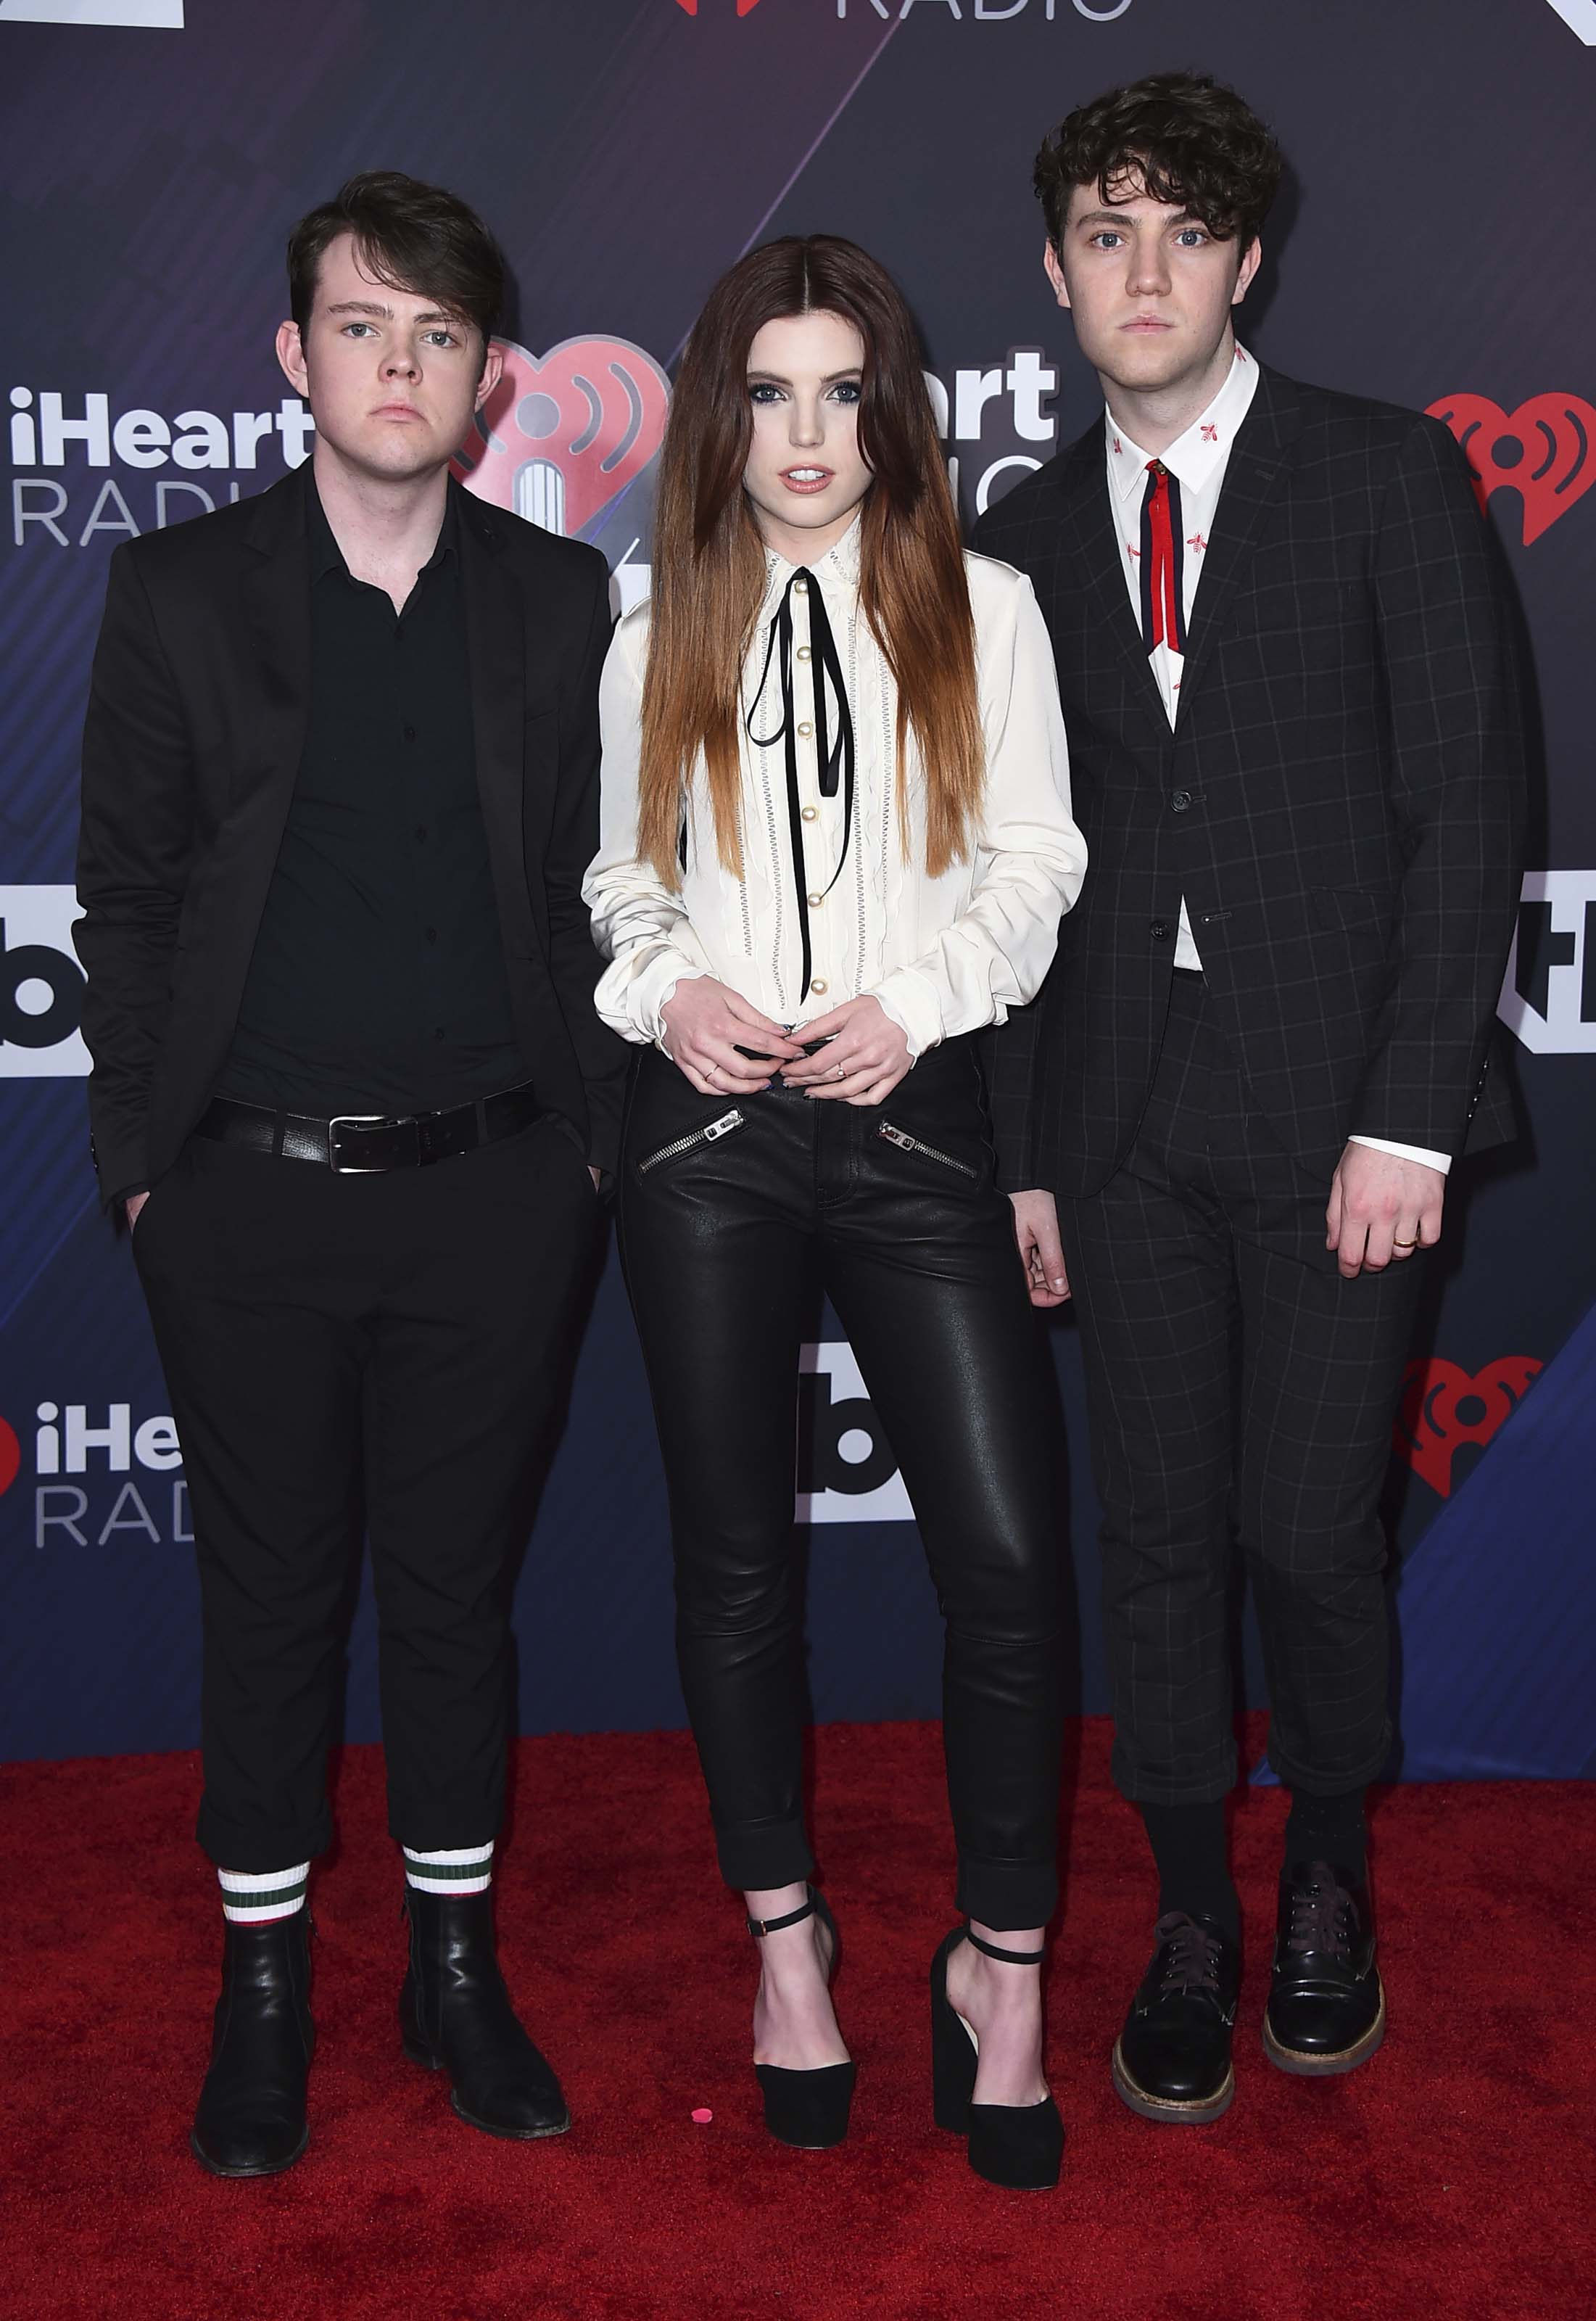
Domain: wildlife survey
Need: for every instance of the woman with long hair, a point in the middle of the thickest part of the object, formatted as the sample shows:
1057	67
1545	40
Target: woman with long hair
836	844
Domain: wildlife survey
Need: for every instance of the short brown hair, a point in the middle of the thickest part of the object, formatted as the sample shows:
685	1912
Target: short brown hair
1183	136
411	236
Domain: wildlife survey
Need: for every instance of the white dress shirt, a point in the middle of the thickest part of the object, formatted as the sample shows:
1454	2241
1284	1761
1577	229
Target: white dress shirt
943	956
1197	460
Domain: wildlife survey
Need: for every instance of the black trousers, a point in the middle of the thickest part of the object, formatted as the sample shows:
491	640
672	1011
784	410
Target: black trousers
339	1350
1238	1389
917	1250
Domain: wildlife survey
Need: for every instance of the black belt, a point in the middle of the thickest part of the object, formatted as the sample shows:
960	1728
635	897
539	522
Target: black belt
370	1143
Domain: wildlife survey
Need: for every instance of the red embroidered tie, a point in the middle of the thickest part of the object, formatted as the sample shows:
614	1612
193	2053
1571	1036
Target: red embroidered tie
1161	561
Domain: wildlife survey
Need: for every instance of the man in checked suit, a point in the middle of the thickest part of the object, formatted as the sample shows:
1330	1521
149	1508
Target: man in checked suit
1227	1121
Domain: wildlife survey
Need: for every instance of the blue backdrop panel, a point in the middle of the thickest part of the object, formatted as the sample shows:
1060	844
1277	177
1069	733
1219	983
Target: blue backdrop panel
1499	1641
625	155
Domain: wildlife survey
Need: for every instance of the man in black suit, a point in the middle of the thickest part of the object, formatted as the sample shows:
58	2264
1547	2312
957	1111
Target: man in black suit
340	788
1284	652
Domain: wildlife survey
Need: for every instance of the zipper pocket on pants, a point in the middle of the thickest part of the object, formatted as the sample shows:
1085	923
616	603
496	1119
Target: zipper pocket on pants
907	1144
728	1122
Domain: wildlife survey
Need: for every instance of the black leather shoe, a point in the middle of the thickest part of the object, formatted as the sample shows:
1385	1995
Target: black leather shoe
1172	2060
1327	2009
250	2120
455	2016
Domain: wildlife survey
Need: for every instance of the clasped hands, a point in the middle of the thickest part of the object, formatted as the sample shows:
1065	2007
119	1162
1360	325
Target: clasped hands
708	1026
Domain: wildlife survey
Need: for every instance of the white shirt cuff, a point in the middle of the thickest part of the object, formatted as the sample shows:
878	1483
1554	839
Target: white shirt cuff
652	986
1441	1160
914	1007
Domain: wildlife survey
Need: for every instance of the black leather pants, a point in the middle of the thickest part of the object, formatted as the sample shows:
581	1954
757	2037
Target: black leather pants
722	1200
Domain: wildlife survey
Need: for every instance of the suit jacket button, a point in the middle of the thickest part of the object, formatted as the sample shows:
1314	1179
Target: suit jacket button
1180	802
1160	931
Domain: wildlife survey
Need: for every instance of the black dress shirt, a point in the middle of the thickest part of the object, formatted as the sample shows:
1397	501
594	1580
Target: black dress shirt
377	981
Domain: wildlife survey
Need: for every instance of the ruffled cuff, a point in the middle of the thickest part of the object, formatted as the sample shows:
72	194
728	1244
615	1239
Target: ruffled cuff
913	1003
631	995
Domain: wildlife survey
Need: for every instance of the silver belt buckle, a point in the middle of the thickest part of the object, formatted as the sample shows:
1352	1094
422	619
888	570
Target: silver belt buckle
354	1120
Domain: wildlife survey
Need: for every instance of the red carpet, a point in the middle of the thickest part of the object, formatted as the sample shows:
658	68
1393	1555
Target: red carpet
1451	2178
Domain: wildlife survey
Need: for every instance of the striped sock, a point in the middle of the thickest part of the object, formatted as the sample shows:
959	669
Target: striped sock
254	1898
456	1870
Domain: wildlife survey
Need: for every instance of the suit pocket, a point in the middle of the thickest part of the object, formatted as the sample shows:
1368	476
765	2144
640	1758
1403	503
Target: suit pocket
1300	606
1348	910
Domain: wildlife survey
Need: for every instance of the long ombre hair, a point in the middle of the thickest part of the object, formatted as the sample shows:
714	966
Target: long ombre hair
708	558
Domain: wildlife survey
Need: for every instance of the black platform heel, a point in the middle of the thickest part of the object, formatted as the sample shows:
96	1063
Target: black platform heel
807	2109
1021	2146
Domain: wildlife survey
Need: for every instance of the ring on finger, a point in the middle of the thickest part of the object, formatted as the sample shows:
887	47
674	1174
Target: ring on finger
1405	1244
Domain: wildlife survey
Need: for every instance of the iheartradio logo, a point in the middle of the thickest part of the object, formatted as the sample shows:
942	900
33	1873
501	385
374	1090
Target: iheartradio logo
563	433
1445	1406
1544	450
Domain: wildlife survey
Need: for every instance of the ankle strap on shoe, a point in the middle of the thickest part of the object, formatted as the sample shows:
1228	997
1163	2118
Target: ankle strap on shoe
1008	1958
761	1926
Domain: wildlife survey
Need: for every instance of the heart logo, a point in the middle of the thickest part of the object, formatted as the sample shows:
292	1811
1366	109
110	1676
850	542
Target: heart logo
1443	1407
1543	450
562	434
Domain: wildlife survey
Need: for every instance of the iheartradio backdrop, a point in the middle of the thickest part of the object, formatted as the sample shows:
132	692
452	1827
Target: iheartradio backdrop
1432	249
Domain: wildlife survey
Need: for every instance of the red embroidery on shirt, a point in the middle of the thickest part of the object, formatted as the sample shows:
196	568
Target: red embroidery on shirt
1134	550
1196	541
1210	434
1116	443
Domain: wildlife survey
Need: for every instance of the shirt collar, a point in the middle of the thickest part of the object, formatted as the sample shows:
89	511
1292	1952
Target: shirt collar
327	556
839	566
1195	457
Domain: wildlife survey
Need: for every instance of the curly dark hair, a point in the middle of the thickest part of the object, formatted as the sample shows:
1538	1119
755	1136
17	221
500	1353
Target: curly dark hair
1181	136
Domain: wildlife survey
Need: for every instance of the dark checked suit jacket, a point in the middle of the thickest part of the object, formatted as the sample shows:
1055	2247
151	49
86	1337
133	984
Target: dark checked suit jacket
196	722
1340	800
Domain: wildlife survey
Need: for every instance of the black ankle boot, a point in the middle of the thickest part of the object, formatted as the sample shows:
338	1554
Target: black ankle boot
1327	2010
455	2016
250	2120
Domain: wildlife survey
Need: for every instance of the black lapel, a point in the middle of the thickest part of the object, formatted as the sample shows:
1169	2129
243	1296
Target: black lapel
278	666
1263	451
1095	543
1090	531
495	637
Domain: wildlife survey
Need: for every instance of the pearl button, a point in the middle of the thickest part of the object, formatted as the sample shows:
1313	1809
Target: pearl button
815	901
800	588
804	652
818	985
804	731
810	813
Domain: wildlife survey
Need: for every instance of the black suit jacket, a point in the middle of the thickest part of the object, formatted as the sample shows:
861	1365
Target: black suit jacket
197	721
1340	801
